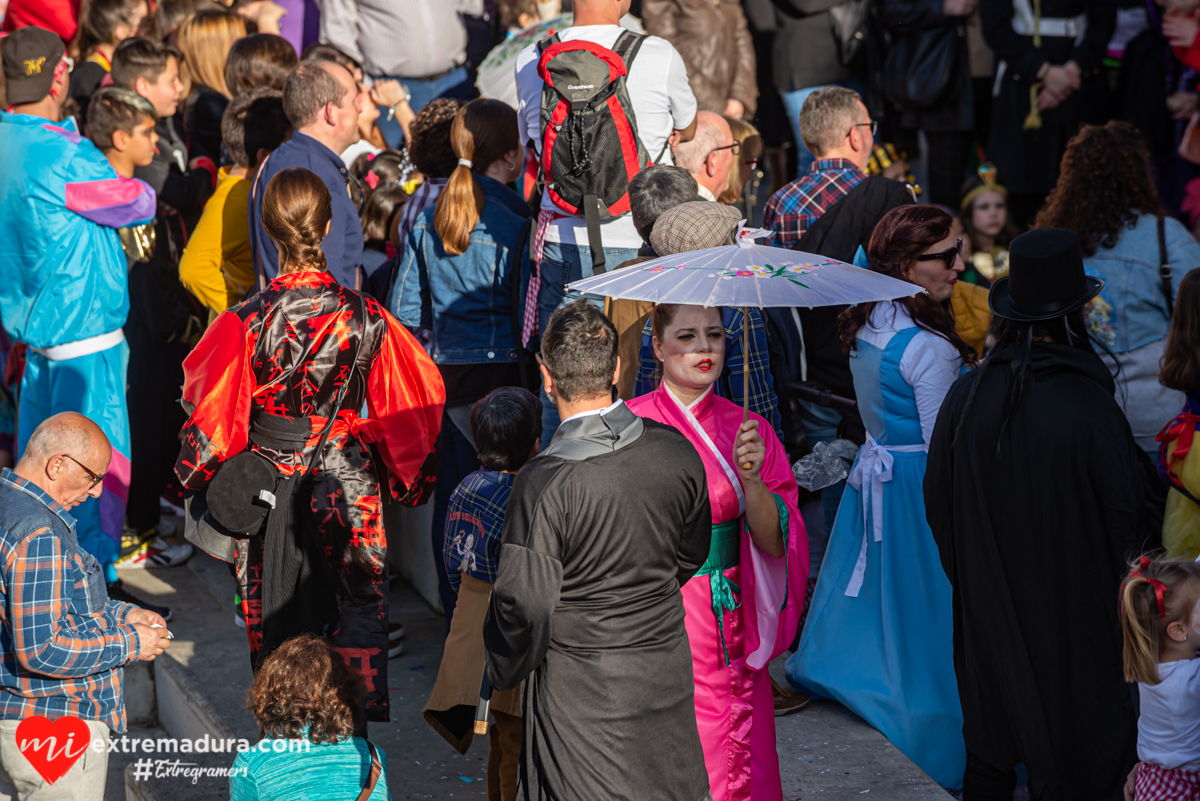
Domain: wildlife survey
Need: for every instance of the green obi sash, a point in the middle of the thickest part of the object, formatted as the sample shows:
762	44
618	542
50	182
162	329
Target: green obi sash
723	553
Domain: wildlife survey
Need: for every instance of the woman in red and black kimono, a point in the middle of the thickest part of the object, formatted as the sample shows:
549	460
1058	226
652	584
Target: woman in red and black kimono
274	365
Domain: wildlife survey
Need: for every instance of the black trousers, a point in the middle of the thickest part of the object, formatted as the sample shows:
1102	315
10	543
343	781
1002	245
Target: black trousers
949	154
985	782
155	382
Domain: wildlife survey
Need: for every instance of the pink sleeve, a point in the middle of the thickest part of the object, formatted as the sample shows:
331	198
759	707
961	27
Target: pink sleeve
112	202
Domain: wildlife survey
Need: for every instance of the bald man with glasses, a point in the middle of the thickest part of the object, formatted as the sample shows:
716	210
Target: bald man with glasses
64	643
709	156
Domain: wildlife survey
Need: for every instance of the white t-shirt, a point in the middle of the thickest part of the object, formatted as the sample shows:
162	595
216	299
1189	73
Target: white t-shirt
930	364
662	101
1169	725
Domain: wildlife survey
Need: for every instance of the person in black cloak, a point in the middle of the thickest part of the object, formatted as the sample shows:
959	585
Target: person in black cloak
1034	495
602	529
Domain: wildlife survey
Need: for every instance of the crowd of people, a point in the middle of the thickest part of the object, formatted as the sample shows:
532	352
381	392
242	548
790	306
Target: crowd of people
284	280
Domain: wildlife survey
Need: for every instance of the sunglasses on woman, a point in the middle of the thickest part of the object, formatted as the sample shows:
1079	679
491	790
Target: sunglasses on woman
946	256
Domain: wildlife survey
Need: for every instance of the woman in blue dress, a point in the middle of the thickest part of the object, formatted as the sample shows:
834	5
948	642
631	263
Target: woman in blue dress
879	634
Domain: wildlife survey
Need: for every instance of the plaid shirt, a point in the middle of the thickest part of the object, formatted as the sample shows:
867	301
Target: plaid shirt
795	207
729	385
474	525
62	640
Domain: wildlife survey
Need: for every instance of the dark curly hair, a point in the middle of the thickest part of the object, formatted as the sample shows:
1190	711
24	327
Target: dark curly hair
305	689
429	138
1180	361
899	237
1104	183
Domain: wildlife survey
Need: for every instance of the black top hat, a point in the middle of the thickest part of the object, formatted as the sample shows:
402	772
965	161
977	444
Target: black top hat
31	55
1045	278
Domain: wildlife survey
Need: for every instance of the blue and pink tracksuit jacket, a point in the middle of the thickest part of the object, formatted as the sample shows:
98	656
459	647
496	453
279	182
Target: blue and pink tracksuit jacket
63	279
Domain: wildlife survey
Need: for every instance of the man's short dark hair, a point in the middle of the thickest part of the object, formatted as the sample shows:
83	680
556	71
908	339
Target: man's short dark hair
657	189
139	57
114	109
579	349
252	122
307	90
429	138
505	425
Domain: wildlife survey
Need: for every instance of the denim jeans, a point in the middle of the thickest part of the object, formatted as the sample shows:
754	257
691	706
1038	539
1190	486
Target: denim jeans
793	101
563	264
458	460
456	83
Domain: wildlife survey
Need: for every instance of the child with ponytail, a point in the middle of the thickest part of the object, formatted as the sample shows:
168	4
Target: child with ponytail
460	280
1160	617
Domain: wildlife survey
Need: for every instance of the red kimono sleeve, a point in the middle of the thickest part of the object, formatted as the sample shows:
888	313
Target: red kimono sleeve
405	396
218	384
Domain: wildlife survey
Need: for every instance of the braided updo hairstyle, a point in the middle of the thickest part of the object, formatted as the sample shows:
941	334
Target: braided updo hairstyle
296	213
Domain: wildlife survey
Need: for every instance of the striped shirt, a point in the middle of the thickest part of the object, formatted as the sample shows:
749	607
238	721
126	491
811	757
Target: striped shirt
62	640
475	524
795	207
422	198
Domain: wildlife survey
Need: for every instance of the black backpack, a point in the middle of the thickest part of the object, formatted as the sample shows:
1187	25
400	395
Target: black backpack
590	144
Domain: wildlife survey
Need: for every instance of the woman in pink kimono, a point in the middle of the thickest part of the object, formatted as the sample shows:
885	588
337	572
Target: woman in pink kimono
743	606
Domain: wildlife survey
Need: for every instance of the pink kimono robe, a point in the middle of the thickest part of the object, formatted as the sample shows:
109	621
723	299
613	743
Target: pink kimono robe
735	708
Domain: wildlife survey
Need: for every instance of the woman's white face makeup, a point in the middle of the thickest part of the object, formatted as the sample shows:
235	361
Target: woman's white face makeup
693	347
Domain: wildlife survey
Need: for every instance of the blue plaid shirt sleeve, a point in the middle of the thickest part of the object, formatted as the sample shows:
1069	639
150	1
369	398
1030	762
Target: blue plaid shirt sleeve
730	385
47	639
475	526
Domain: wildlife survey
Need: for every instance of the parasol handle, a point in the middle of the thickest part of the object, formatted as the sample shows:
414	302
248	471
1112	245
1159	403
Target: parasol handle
485	701
745	370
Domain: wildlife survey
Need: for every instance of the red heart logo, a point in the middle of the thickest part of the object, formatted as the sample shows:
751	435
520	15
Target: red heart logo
52	746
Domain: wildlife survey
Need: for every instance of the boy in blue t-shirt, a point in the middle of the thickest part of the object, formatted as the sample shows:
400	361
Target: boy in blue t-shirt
505	427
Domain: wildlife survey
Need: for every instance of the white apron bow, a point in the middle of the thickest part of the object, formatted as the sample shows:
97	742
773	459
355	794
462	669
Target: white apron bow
872	470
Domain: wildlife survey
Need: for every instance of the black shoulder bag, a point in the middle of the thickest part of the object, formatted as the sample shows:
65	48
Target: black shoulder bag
247	487
1164	267
922	67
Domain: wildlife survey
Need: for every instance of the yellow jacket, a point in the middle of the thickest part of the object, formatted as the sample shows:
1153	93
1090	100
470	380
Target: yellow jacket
971	313
217	266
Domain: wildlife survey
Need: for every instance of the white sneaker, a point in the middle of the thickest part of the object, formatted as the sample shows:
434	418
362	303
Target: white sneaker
157	553
395	632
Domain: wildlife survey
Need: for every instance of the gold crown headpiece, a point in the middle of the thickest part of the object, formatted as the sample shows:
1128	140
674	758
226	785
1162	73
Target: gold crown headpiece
991	183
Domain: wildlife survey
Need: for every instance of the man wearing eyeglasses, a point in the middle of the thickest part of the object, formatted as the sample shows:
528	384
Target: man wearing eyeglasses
709	156
838	129
63	274
64	643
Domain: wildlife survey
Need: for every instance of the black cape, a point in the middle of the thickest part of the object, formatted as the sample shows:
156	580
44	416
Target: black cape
1035	543
601	530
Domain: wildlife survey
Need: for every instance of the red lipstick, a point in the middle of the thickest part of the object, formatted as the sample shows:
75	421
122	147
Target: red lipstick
704	365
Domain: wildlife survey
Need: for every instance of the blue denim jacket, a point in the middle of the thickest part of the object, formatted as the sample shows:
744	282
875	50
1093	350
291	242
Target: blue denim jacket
466	301
1131	312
